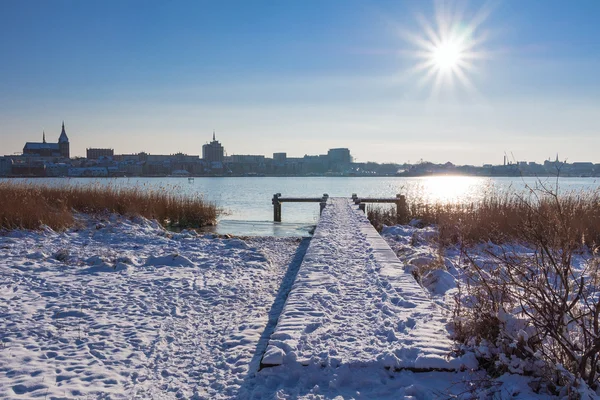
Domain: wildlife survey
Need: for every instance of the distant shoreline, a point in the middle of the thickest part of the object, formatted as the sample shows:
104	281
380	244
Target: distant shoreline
404	175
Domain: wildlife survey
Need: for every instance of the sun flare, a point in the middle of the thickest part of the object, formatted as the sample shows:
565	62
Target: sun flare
448	49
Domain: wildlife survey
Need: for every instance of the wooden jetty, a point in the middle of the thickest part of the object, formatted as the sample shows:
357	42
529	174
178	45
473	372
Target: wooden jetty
352	303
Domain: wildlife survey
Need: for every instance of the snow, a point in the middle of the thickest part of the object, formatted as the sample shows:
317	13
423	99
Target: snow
120	308
124	309
439	281
415	247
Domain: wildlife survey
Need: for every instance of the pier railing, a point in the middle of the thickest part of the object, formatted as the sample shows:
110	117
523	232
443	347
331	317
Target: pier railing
399	200
277	200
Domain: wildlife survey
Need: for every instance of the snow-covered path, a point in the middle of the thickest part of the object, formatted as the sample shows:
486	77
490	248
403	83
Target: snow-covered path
353	304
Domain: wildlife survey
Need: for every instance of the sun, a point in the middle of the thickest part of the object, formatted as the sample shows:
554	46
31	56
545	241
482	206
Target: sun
447	55
447	51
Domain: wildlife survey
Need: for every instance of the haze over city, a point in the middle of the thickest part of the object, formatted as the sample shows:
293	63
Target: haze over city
299	77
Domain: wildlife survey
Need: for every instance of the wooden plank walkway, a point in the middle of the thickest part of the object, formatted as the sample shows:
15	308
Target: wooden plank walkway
353	304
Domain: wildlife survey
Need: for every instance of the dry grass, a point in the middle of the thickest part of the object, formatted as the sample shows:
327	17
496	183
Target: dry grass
500	217
29	206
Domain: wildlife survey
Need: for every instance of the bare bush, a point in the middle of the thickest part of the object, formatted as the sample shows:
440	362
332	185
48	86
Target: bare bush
535	303
380	216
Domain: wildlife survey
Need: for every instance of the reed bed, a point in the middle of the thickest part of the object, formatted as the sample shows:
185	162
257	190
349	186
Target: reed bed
30	206
572	217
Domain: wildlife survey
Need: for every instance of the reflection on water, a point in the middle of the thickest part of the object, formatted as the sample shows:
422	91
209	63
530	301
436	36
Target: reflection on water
247	200
447	189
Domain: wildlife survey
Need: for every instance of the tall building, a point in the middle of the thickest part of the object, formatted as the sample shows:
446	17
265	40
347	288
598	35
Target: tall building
44	149
339	159
339	156
213	151
280	158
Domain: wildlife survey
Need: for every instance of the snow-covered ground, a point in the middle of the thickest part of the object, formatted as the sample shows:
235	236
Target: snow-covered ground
122	308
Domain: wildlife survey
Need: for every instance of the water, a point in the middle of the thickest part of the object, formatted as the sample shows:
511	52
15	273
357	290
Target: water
246	201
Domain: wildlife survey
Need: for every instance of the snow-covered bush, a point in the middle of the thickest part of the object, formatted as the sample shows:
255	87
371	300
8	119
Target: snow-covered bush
535	308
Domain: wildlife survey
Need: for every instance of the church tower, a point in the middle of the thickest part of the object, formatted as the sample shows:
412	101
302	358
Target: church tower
63	143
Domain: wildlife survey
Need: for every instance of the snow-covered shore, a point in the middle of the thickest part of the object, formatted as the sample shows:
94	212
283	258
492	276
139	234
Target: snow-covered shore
121	308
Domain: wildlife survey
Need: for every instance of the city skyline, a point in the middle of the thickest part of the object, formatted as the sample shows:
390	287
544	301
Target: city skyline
304	76
50	159
506	158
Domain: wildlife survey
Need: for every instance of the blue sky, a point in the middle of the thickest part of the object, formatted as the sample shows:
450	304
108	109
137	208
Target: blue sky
300	76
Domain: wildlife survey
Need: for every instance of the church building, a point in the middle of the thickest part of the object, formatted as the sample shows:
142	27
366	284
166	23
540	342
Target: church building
44	149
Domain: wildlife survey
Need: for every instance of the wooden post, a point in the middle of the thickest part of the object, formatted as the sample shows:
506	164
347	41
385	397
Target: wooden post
323	203
276	207
362	206
401	209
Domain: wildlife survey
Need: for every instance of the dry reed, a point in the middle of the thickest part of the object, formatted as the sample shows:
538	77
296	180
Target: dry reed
29	206
500	217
